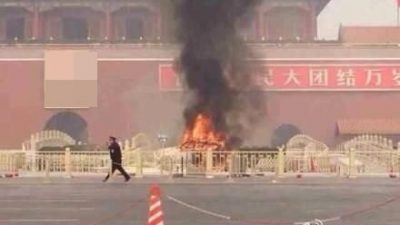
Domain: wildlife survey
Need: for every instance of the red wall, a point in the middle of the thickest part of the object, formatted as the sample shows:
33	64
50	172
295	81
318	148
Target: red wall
120	84
316	113
129	102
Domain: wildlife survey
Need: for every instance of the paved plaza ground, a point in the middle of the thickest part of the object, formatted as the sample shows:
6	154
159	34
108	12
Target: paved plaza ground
200	201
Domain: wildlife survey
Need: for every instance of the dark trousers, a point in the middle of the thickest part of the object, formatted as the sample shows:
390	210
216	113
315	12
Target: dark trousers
117	166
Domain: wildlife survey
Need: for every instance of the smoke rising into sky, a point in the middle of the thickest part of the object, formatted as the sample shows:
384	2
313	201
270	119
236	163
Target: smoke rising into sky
212	61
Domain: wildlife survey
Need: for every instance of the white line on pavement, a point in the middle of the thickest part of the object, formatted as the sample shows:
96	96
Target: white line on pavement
198	209
39	220
44	208
43	200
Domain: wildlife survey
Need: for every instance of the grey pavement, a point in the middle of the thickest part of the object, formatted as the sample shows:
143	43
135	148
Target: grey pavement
200	201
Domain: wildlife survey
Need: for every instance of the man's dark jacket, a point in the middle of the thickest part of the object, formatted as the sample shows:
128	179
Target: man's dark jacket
115	152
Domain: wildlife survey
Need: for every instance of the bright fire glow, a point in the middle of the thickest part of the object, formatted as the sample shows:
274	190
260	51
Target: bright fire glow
202	136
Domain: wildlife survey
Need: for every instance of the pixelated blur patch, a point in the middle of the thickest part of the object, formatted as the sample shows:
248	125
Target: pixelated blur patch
70	79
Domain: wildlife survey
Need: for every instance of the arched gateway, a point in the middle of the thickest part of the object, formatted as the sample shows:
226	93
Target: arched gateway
70	123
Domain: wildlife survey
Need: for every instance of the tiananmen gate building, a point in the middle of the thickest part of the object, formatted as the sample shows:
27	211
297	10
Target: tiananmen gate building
93	68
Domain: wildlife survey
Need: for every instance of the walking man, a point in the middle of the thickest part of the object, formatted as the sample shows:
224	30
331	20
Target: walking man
116	159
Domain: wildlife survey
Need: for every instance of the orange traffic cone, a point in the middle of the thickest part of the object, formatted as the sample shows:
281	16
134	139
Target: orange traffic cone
155	211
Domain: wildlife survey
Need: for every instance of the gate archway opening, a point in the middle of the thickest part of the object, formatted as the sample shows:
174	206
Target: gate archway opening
70	123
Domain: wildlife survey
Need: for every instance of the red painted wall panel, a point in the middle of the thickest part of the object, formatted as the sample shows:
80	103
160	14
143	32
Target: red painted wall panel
130	102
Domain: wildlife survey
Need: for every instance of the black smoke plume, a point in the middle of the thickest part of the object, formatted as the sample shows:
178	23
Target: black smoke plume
213	65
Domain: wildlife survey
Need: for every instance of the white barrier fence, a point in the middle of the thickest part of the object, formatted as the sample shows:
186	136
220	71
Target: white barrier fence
211	163
11	161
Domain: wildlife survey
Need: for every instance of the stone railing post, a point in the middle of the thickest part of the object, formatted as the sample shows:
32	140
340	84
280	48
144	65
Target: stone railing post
139	164
67	162
14	166
397	161
31	157
47	162
230	161
9	163
163	162
304	166
351	163
280	164
171	167
209	162
182	167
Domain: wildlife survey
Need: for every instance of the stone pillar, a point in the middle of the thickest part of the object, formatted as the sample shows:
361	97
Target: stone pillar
279	171
260	26
209	163
157	35
35	24
139	164
67	162
313	34
31	157
397	160
230	161
47	162
351	163
109	35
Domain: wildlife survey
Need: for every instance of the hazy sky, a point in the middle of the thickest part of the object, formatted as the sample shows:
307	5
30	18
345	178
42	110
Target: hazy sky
355	12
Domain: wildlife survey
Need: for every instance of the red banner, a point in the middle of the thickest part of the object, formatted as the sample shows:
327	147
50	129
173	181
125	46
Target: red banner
310	77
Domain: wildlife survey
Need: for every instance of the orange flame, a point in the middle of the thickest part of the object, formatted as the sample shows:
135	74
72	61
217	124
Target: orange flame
202	136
